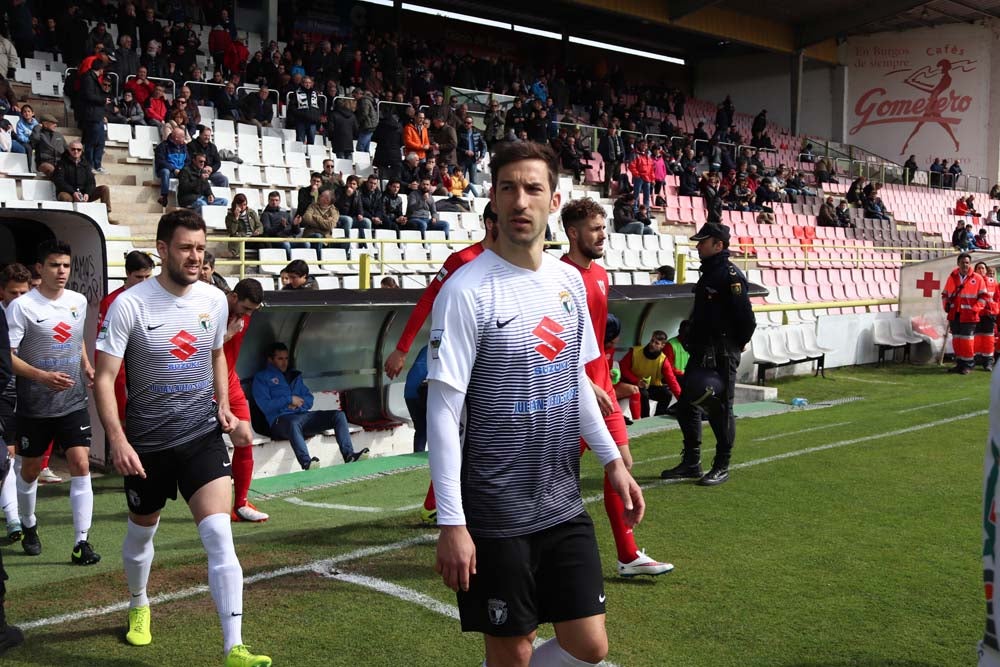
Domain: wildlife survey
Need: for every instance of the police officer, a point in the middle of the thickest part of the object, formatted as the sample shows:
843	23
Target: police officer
720	326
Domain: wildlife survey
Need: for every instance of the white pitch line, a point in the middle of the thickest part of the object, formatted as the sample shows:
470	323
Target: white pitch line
430	537
800	431
854	379
313	566
350	508
934	405
410	595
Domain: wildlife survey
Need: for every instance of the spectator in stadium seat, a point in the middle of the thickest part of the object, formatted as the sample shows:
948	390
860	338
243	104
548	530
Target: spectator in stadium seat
647	367
995	191
624	216
304	112
410	173
219	40
47	144
227	104
367	116
641	169
341	128
827	216
388	151
320	218
388	283
352	212
970	203
471	149
571	157
823	170
142	88
981	241
9	60
958	236
296	276
392	206
257	108
415	136
689	182
664	275
309	194
874	208
371	204
100	35
494	124
954	171
741	196
333	180
241	221
287	404
176	119
8	142
126	60
194	190
150	29
89	111
844	215
208	274
962	207
49	38
421	211
202	145
156	108
170	158
444	141
130	110
153	60
236	57
278	222
993	217
74	180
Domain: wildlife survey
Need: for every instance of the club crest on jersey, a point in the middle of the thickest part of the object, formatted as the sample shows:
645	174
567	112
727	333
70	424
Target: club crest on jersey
435	342
205	321
74	313
567	301
497	610
102	333
602	287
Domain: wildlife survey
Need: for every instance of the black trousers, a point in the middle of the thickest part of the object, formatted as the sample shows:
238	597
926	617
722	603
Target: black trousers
720	417
660	394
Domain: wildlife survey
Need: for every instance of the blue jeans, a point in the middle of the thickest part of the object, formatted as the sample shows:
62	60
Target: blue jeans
305	132
346	223
641	187
201	201
17	147
218	179
165	176
294	427
423	224
636	227
93	143
364	141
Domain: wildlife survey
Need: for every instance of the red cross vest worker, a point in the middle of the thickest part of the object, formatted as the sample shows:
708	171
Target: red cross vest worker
986	327
648	367
963	299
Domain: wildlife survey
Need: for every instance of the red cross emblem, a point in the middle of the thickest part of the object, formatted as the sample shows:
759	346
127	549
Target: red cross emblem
928	284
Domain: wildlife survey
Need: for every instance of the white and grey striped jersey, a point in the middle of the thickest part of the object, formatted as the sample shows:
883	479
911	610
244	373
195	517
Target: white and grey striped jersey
514	341
166	343
48	335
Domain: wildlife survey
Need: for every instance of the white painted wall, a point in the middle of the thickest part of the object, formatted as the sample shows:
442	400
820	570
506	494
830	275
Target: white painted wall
764	82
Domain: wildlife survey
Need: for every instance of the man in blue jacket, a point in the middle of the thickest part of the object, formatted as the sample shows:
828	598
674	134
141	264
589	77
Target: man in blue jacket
286	403
169	159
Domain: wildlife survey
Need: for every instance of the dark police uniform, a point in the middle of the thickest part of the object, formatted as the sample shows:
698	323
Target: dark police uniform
721	324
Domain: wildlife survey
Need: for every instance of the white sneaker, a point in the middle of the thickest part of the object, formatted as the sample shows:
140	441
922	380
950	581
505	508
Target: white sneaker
643	564
48	477
250	513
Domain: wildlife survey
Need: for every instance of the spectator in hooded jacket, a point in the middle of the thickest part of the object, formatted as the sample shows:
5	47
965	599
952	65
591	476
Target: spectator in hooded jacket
170	158
388	151
342	126
156	108
74	180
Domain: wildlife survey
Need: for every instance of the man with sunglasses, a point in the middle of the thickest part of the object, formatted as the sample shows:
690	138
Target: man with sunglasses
202	144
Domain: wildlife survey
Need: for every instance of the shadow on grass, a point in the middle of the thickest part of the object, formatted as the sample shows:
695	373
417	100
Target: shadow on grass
864	662
57	649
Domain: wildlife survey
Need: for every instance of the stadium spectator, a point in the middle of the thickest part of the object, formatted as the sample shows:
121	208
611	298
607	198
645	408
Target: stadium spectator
367	117
49	38
157	109
388	283
142	88
995	191
125	61
909	169
624	216
958	236
827	214
74	180
962	207
641	169
963	298
824	170
130	109
844	215
874	208
647	367
100	36
388	138
194	190
149	29
170	158
352	212
153	60
410	173
303	111
89	110
235	58
612	152
186	102
278	222
689	182
176	118
493	124
219	40
9	59
471	149
415	137
421	211
227	104
25	126
210	276
664	275
203	145
296	276
241	221
572	158
341	128
8	142
320	218
981	241
48	144
392	206
257	108
309	194
286	402
443	141
371	204
437	175
993	217
460	185
676	351
936	173
951	178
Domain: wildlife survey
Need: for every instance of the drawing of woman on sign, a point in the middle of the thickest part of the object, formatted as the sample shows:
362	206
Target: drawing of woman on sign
932	112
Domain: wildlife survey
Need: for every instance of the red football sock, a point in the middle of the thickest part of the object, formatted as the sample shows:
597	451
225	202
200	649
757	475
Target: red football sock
46	456
430	502
242	473
635	406
624	540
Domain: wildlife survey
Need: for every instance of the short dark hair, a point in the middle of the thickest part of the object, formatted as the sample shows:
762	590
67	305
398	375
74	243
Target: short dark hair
350	178
274	347
963	255
659	335
273	193
578	211
666	272
209	258
181	217
137	260
14	273
490	214
315	174
393	180
297	267
52	247
518	151
250	290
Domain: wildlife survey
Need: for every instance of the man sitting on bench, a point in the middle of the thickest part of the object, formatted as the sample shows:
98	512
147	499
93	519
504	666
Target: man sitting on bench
287	404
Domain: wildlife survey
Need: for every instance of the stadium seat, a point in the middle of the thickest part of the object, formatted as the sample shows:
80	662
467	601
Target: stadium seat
886	339
8	189
119	132
37	189
272	260
215	217
15	164
763	356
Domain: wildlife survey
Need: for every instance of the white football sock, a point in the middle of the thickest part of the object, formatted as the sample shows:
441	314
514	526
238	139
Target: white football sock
137	556
8	494
26	501
81	501
225	576
551	654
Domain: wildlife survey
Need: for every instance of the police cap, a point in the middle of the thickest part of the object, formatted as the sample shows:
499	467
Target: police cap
715	230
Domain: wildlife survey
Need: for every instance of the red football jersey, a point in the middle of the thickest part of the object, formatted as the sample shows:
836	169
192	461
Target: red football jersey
596	281
231	348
